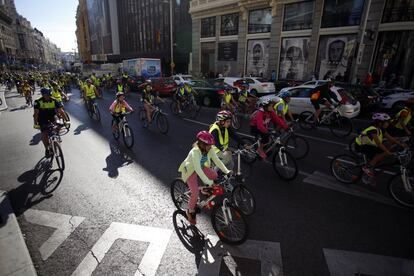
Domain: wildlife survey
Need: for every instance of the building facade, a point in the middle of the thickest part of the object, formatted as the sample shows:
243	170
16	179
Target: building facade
82	33
8	44
343	40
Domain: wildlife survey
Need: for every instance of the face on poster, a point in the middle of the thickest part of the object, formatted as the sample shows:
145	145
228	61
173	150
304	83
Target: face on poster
335	56
294	58
257	57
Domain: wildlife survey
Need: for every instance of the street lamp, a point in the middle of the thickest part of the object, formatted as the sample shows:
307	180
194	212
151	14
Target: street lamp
172	65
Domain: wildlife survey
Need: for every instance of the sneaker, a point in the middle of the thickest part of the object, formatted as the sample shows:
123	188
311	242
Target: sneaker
262	154
368	170
191	217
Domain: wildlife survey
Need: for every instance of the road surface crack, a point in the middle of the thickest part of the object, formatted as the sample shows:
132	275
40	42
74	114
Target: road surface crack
132	261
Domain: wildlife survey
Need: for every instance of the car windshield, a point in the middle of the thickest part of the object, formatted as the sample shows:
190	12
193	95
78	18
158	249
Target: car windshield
169	81
261	80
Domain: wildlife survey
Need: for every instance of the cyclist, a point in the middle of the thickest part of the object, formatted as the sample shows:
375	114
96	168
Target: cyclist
148	98
119	107
228	102
370	142
45	109
57	95
400	125
119	86
89	93
322	95
245	98
27	91
282	107
182	94
221	132
198	164
259	124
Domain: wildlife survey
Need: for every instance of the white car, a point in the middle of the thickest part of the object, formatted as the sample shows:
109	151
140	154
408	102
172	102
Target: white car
396	101
260	86
179	79
300	100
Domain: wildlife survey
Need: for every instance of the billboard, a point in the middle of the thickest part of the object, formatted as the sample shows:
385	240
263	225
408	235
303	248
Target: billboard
257	57
294	58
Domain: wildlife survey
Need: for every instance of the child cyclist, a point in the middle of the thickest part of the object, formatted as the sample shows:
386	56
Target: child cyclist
198	164
119	107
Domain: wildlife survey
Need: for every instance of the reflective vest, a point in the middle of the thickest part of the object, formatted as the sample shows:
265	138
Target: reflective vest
46	105
119	108
90	91
243	96
182	91
363	138
406	120
120	88
224	142
285	107
227	98
56	95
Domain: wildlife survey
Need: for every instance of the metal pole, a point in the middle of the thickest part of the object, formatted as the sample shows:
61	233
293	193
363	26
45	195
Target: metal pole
171	37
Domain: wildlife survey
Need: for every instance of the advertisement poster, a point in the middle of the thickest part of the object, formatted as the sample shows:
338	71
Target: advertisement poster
151	68
227	51
257	57
294	58
335	56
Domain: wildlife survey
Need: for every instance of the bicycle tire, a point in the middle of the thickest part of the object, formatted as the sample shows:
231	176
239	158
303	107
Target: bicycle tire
341	126
58	155
351	147
248	156
306	120
116	132
398	191
174	108
97	113
89	110
295	142
224	231
162	123
290	166
128	143
67	126
180	194
235	122
244	200
346	165
143	117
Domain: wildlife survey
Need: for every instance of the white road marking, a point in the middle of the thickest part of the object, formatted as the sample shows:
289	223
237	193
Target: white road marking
157	237
342	263
268	253
64	225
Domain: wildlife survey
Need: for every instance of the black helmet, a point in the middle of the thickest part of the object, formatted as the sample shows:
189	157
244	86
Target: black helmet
46	91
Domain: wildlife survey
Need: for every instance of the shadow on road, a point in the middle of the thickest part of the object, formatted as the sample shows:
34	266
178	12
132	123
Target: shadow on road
23	107
36	139
37	185
81	128
116	159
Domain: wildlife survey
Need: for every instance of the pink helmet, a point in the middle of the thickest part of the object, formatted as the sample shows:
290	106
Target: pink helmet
205	137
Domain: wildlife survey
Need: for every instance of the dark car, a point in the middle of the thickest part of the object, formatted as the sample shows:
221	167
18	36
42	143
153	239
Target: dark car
208	94
135	82
367	96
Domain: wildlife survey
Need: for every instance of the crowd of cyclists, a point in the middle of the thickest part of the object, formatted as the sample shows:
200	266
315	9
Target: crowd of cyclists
211	147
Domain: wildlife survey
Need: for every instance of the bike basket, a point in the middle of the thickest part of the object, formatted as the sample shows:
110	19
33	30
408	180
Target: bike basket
405	158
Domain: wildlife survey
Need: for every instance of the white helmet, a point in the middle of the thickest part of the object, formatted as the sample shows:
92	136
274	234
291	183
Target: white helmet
381	117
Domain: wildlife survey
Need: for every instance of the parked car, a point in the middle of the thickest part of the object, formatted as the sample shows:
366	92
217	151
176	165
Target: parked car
300	100
182	78
208	94
260	86
370	100
134	83
395	101
231	81
164	86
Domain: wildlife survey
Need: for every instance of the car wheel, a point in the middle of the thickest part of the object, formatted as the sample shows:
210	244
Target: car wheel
206	101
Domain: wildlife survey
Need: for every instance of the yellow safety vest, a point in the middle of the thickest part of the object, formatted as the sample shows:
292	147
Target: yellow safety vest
46	105
119	108
182	90
120	88
90	91
363	138
243	96
227	98
285	106
56	95
224	142
406	120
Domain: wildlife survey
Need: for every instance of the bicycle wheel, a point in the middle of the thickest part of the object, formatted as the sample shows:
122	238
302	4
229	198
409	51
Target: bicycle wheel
306	120
162	123
128	136
90	110
400	192
235	122
248	156
244	200
297	146
284	165
352	149
67	126
341	126
57	150
180	194
346	169
229	224
96	112
143	117
115	129
174	107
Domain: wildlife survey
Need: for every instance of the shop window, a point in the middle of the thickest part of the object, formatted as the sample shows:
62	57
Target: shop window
260	21
398	11
229	24
342	13
208	27
298	16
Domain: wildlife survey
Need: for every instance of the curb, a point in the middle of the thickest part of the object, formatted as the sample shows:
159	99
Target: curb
4	105
14	255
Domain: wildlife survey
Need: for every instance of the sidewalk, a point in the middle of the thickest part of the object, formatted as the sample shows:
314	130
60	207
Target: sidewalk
3	106
14	255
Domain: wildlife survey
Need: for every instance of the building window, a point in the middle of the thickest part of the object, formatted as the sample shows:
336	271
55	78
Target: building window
260	21
397	11
258	57
208	27
229	24
298	16
335	54
294	58
342	13
227	51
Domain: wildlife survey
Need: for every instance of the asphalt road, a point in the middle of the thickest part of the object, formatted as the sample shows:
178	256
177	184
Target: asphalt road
110	212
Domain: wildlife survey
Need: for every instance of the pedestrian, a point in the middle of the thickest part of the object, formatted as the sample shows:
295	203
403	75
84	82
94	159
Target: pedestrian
273	76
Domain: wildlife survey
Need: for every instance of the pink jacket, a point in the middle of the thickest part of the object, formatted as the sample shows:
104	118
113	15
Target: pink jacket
262	119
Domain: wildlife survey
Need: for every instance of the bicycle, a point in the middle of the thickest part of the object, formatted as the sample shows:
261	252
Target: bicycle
339	125
347	169
228	221
123	127
295	144
93	110
189	106
158	116
54	145
235	121
284	164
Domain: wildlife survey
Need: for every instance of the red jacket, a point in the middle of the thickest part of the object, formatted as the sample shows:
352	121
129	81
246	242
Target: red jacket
261	120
